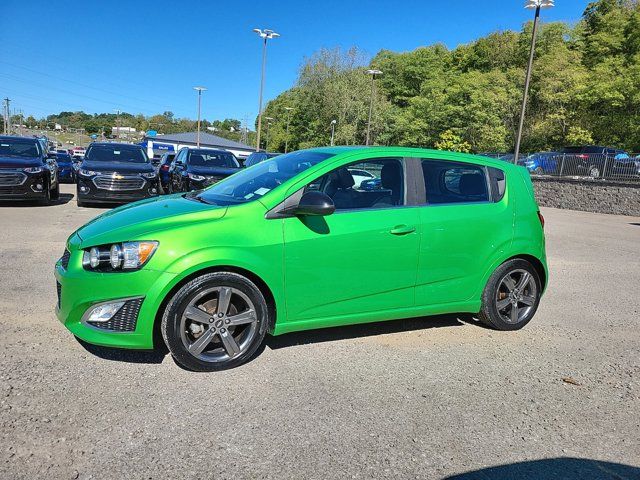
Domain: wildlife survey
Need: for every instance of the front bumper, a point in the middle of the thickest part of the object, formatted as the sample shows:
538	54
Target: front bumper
25	187
89	191
79	290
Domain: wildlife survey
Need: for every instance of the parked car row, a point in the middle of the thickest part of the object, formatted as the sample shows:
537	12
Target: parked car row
592	161
109	172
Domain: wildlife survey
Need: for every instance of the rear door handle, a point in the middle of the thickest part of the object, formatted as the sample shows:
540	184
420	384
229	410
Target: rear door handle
402	230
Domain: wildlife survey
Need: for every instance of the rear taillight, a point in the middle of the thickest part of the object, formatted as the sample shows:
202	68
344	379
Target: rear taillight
164	168
541	218
583	156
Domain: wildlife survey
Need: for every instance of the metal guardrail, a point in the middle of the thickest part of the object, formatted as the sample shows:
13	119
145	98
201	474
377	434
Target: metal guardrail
620	167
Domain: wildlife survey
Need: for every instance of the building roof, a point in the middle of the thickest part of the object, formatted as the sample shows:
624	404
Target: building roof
206	139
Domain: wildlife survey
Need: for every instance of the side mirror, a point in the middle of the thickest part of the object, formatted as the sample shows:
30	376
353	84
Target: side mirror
315	203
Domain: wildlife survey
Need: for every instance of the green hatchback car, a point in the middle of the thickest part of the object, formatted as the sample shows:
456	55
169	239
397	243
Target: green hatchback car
295	243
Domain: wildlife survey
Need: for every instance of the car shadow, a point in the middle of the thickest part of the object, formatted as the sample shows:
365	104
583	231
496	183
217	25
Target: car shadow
64	199
154	356
635	224
367	330
565	468
307	337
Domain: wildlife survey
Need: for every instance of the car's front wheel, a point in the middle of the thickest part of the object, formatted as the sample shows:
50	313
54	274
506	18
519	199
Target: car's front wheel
511	296
214	322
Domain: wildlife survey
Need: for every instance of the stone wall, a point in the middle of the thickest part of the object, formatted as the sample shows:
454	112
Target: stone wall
588	195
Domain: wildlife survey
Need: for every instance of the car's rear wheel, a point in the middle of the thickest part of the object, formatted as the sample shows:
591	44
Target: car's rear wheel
539	171
594	171
214	322
511	296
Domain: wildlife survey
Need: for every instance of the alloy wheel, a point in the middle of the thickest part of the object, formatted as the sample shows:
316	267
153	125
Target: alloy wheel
218	324
516	296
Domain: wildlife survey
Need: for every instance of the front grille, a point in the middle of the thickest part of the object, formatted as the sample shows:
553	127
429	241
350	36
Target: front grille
64	260
59	292
8	179
118	184
124	320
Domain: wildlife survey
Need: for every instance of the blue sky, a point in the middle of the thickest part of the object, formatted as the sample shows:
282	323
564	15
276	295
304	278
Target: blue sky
145	57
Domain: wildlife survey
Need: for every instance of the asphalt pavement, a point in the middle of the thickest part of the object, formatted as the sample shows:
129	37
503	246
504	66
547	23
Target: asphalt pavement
421	398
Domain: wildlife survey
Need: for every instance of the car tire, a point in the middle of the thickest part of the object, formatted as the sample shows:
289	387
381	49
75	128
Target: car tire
46	197
513	285
201	322
55	193
539	171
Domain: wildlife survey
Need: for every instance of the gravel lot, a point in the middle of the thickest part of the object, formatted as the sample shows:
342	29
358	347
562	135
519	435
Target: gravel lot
423	398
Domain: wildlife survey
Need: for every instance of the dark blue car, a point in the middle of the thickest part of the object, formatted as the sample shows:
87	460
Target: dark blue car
257	157
66	172
541	163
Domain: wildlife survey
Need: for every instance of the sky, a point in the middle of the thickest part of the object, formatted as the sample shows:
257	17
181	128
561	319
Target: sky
146	57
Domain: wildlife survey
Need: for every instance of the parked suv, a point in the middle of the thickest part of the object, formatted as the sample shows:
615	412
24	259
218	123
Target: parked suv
27	171
278	248
197	168
115	173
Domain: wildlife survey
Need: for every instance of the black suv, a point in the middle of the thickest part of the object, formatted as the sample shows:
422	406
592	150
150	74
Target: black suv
197	168
115	173
27	170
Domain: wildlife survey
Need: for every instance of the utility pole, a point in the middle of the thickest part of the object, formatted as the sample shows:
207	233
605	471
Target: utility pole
286	141
265	34
118	124
199	90
537	5
373	73
7	118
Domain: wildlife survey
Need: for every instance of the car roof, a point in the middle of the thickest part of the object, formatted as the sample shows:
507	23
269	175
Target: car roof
18	137
114	144
413	151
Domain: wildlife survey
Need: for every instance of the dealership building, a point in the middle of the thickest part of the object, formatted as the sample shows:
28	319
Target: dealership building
156	145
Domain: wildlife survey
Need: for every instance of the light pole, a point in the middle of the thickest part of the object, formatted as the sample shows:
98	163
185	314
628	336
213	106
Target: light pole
373	74
200	90
286	140
268	119
537	4
265	34
333	129
117	124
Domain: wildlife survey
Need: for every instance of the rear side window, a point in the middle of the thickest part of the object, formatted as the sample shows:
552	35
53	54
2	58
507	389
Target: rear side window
454	182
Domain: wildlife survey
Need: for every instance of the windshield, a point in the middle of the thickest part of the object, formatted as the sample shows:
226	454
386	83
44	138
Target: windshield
210	158
257	181
19	147
116	153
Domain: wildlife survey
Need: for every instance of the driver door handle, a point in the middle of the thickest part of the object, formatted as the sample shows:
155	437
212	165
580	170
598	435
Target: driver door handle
402	230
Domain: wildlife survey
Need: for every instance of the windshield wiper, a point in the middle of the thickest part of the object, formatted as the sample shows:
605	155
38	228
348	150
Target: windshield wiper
196	197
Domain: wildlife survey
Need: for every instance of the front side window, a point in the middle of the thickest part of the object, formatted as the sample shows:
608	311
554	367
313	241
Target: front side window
375	183
454	182
116	153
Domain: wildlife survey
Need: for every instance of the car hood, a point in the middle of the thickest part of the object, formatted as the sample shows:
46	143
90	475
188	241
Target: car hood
120	167
213	171
136	220
19	162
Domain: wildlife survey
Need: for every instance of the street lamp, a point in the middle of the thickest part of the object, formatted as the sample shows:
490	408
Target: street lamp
333	129
265	34
537	4
286	140
199	90
373	74
268	119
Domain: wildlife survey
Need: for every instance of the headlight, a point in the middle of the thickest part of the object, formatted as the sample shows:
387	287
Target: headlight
118	256
149	175
197	178
32	170
87	173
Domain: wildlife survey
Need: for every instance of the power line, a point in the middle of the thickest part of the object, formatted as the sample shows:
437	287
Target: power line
84	85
